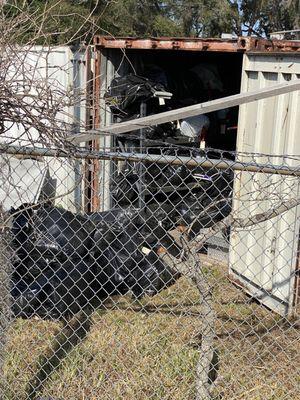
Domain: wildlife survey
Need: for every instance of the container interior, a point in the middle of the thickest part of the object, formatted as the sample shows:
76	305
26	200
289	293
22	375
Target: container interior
192	77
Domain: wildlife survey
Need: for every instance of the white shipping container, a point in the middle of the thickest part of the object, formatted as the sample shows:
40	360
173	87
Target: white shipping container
64	71
264	258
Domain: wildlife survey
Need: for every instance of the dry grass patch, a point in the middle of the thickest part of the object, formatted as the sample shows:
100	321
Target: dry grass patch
149	350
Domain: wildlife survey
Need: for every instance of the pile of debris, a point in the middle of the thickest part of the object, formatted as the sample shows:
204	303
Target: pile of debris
196	198
64	262
183	193
132	96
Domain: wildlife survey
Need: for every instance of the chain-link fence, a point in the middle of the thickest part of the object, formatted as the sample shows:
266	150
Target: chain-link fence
165	276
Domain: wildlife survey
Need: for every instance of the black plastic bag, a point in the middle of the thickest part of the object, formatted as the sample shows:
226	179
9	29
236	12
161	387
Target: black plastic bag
50	231
149	225
126	93
59	292
61	232
209	203
125	189
136	266
197	216
72	261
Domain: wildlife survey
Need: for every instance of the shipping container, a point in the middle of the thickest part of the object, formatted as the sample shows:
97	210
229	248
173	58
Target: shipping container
65	70
271	127
266	126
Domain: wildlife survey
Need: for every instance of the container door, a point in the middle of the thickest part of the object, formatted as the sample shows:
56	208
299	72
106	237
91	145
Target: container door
263	258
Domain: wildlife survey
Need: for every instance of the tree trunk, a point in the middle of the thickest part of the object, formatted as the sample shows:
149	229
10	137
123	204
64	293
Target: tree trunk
205	370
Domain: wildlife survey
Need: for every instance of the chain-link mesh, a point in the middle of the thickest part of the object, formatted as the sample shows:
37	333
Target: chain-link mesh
126	279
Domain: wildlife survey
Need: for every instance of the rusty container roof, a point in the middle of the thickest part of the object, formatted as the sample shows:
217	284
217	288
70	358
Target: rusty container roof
240	44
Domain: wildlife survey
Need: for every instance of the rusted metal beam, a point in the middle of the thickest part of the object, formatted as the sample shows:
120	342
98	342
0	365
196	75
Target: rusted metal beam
185	44
266	46
240	44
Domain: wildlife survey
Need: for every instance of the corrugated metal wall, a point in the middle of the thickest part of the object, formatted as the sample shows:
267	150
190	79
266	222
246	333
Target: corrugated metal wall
264	259
61	68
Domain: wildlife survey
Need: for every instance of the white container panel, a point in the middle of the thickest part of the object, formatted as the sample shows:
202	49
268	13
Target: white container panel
269	126
54	67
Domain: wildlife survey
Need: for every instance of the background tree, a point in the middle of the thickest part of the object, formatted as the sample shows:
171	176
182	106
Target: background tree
202	17
294	8
75	20
261	17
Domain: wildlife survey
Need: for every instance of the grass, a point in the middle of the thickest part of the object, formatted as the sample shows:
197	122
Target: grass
149	350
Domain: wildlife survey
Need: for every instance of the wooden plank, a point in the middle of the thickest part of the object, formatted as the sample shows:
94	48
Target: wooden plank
180	113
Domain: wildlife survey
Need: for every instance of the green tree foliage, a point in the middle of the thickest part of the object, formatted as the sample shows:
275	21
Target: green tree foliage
52	21
65	21
138	18
202	17
74	21
262	17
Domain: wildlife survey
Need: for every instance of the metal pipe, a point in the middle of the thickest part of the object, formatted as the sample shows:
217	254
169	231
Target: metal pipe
76	128
77	153
141	167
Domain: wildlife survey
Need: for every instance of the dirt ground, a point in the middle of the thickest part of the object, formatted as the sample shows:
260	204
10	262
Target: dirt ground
149	350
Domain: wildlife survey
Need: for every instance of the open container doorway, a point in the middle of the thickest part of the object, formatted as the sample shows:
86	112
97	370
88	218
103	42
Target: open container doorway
266	126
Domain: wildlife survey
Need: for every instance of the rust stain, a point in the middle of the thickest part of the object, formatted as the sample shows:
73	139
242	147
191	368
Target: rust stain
161	250
187	44
88	116
240	44
182	228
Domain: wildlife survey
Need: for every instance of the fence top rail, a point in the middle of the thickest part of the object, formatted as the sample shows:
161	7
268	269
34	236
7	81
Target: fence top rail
190	111
191	161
